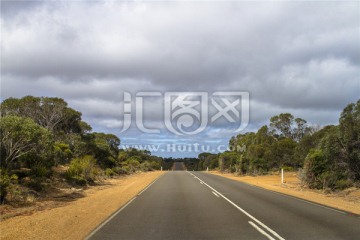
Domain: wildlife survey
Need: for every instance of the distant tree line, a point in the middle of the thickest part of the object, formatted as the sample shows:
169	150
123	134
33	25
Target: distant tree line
328	157
38	133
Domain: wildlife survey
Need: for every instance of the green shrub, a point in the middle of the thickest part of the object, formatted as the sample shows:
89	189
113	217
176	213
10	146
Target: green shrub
145	166
78	180
314	166
321	173
328	180
133	163
155	165
288	168
118	170
82	169
40	171
6	182
62	153
109	172
126	169
342	184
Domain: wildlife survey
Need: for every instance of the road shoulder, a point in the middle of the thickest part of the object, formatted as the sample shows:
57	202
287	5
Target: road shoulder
77	219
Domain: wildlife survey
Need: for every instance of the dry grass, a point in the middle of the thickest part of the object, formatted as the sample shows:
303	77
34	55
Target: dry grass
347	200
76	219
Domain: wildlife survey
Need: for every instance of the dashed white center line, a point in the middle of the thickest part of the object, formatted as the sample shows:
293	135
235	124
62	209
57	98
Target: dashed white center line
215	194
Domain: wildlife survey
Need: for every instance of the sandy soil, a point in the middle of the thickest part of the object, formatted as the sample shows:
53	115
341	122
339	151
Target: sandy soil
347	200
74	220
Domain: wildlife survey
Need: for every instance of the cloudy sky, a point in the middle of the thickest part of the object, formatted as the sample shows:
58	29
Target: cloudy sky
298	57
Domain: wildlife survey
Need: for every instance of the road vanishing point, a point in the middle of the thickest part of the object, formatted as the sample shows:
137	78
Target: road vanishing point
198	205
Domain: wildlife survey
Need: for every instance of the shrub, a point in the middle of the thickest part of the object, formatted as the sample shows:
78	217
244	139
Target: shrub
145	166
133	163
323	173
109	172
40	171
288	168
82	170
126	169
119	170
314	166
342	184
155	165
6	182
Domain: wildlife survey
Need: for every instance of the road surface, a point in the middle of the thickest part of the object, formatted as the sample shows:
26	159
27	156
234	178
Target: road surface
196	205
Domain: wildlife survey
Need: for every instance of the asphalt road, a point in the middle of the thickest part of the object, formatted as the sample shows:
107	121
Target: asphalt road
196	205
178	166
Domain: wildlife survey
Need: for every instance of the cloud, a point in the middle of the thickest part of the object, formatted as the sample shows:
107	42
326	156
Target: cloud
298	57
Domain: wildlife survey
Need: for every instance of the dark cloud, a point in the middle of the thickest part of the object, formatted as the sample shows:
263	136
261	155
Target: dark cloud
11	9
298	57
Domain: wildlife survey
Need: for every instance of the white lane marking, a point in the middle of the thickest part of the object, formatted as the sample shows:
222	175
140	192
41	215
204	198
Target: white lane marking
215	194
109	219
260	230
296	198
149	185
118	211
242	210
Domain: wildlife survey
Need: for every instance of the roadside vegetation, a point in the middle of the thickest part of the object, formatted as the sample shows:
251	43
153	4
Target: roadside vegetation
45	145
326	157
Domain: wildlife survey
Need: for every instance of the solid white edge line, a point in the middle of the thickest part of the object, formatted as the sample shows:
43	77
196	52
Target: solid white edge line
149	185
215	194
92	233
242	210
260	230
109	219
293	197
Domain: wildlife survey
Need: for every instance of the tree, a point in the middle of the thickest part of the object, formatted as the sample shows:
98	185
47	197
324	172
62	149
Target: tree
105	148
50	113
349	131
326	166
263	136
300	130
282	153
308	142
19	136
282	123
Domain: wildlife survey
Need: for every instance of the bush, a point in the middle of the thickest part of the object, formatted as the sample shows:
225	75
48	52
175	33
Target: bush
288	168
155	165
40	171
126	169
119	170
314	166
109	172
82	170
5	184
322	173
133	163
342	184
145	166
